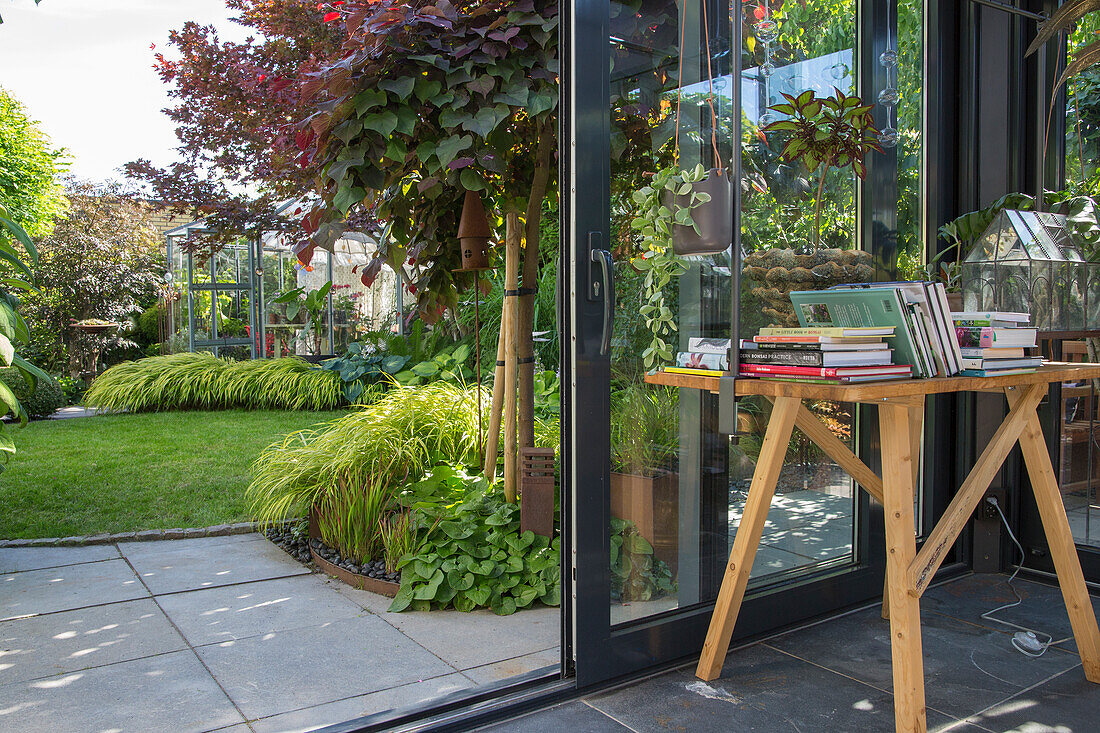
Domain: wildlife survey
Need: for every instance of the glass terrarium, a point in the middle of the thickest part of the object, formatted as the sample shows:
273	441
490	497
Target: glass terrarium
1027	261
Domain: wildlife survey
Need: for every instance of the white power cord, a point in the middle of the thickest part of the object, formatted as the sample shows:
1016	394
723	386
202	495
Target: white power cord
1025	640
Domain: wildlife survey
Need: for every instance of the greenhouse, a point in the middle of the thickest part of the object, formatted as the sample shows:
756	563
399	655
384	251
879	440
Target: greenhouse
226	303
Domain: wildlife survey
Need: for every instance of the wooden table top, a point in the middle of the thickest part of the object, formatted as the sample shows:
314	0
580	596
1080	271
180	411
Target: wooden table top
877	391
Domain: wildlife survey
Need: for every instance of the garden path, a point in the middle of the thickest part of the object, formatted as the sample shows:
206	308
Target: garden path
230	634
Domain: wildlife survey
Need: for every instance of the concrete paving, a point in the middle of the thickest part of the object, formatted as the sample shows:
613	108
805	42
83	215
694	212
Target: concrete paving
836	676
228	634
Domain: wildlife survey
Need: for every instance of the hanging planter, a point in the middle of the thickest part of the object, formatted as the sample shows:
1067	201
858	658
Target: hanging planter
710	226
711	230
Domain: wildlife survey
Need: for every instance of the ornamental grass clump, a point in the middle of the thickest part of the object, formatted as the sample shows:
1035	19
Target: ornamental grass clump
351	468
205	382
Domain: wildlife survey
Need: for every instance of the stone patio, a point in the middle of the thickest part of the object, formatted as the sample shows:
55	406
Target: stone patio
228	633
836	676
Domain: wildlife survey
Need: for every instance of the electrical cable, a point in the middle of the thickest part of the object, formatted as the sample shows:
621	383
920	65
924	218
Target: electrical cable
1024	637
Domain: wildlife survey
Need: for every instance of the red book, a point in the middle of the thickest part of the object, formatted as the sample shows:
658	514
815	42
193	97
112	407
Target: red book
824	371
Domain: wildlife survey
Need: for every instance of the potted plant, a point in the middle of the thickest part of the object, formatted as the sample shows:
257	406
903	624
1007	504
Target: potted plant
313	303
654	223
644	480
823	133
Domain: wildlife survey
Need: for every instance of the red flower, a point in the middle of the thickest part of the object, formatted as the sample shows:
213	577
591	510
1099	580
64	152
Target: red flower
329	17
261	77
760	12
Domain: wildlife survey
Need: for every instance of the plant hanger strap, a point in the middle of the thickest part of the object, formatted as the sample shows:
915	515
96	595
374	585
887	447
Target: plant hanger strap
710	87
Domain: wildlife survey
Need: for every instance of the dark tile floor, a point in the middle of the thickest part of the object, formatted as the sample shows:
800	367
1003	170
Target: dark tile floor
836	676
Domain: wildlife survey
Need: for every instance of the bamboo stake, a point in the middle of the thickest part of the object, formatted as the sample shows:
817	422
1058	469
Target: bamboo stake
492	445
511	313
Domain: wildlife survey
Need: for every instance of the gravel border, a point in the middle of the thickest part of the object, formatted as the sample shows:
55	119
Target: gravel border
148	535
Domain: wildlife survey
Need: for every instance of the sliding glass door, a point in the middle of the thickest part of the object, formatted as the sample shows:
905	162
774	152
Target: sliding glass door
668	99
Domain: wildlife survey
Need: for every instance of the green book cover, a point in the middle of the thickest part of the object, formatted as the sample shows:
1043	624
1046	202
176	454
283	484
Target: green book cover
863	308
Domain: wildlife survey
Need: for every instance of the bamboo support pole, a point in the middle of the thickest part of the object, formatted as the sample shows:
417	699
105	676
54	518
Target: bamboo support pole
492	439
511	316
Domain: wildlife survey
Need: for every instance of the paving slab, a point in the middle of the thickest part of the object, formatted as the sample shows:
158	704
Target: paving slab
43	646
966	667
171	693
177	565
288	670
760	689
18	559
239	611
508	668
473	639
341	711
1042	607
1064	704
68	587
575	717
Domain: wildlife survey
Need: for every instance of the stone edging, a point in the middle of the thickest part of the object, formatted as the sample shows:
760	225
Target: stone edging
148	535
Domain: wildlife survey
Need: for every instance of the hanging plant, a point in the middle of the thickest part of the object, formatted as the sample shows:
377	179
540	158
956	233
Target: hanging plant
654	223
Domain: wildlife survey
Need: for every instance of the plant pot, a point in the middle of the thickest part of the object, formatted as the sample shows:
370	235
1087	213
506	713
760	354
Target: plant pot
955	302
714	219
652	503
778	272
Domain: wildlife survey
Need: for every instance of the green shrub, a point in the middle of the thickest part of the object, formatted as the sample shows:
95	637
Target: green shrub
473	554
73	388
352	467
46	399
147	332
205	382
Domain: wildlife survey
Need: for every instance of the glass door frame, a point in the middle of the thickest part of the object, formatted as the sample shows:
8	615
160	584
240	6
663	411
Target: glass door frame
600	651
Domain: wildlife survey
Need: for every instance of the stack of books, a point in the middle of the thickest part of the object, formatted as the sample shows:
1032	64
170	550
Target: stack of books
826	355
924	335
994	343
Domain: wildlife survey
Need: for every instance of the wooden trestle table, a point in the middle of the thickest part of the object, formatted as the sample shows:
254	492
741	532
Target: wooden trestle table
908	572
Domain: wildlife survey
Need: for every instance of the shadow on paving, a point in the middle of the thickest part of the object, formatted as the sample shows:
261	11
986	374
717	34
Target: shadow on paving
211	633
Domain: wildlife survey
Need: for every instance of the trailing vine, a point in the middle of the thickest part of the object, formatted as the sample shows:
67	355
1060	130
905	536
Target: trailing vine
661	209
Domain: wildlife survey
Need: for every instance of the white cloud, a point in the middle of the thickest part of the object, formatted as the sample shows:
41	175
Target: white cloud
84	70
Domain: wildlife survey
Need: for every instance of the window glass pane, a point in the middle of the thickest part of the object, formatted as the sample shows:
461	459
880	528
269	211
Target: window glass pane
798	230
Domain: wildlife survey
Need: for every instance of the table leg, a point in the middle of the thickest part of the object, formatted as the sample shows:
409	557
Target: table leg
901	548
1044	484
916	441
745	542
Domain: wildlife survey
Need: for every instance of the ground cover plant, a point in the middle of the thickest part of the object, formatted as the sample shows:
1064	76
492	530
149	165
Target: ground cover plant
205	382
472	553
351	469
124	473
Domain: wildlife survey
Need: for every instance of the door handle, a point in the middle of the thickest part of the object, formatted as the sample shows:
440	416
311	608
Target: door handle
602	258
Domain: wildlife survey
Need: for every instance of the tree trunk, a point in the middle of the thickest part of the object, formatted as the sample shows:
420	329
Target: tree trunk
526	346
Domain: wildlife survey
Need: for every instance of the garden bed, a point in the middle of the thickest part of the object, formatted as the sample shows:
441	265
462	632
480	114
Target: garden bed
371	576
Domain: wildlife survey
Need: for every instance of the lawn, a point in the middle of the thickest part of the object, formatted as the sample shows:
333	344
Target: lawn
120	473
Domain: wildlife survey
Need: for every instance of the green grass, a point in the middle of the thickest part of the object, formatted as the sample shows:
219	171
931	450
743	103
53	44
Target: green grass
120	473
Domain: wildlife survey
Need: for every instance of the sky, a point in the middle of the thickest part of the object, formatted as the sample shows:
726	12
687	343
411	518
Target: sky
83	69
